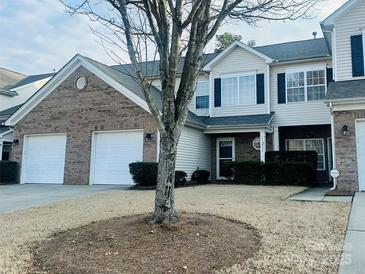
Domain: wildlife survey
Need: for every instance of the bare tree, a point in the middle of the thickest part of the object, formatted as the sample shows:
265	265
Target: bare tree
168	30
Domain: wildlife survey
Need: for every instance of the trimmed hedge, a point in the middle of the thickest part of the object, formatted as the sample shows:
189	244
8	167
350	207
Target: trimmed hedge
200	176
145	174
273	173
8	172
293	156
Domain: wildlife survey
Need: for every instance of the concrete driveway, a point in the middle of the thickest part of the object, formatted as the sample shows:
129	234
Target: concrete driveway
13	197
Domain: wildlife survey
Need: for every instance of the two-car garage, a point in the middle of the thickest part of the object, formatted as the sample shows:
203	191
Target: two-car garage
44	157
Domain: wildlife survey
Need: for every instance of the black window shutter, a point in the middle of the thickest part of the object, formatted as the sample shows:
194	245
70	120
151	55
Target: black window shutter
329	75
260	88
357	54
281	88
217	92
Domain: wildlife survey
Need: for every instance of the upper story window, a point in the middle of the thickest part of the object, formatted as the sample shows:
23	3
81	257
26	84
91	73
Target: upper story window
202	95
306	85
239	90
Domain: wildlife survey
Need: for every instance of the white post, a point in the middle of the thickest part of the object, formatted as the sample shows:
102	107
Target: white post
276	146
262	145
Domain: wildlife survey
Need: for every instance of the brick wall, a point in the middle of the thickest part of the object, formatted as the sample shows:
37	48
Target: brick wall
243	148
346	158
78	113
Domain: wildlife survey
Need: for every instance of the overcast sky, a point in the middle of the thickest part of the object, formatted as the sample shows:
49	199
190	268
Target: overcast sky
37	36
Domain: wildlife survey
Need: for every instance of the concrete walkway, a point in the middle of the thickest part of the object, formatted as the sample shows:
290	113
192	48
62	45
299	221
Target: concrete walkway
317	194
13	197
353	256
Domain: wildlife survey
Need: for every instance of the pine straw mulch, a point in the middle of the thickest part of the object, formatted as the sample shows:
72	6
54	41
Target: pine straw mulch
198	243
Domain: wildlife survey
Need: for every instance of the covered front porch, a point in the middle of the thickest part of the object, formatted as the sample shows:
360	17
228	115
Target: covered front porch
6	140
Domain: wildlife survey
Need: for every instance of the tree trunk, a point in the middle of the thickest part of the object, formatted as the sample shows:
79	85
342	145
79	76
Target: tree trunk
165	211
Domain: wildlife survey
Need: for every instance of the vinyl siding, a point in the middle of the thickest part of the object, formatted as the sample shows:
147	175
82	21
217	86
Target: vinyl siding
301	113
199	112
347	25
193	151
238	61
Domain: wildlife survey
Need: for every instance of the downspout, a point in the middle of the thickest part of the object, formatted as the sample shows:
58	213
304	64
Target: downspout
268	89
333	134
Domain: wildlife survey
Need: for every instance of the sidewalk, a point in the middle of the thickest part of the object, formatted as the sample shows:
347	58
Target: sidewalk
317	194
353	256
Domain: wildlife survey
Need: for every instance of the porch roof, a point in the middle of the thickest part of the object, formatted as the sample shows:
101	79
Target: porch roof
338	91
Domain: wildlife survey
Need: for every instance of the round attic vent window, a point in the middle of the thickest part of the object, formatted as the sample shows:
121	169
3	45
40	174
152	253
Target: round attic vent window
81	83
256	143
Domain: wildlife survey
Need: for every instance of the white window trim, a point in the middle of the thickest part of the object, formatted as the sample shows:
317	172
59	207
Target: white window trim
232	139
363	44
305	70
238	75
312	139
208	94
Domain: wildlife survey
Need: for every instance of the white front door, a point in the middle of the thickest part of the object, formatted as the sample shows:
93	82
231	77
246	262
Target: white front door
360	143
225	153
112	152
43	159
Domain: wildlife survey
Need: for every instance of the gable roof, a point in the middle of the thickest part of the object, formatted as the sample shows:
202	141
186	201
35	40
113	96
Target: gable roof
103	72
330	20
234	45
9	78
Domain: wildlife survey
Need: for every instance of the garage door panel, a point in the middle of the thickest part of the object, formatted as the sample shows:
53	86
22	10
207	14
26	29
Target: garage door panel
113	152
44	159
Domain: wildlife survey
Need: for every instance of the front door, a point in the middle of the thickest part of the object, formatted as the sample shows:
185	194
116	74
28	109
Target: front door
225	152
360	141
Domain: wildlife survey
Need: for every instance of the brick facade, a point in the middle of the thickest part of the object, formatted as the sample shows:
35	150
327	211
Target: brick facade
244	150
346	155
99	107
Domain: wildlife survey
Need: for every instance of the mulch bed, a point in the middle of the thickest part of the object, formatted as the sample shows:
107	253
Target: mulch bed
339	193
198	243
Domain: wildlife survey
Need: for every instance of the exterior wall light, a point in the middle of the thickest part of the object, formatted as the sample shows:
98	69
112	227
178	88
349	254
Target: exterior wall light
345	130
148	136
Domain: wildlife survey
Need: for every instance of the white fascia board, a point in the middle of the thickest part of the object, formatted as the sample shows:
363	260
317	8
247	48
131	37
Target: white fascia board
57	79
330	20
6	133
221	55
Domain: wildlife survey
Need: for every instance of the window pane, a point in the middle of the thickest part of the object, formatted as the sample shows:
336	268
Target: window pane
295	145
202	102
295	87
247	90
229	91
225	149
202	88
316	145
296	94
316	93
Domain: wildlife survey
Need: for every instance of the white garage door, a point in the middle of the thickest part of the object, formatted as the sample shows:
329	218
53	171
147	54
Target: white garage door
44	159
111	155
360	136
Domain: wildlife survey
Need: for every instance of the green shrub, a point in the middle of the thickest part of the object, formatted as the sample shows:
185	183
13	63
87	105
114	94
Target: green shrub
8	172
145	174
293	156
247	172
200	176
180	178
273	173
289	173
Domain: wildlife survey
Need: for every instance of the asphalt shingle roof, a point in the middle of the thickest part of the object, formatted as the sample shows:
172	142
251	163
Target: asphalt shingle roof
346	90
31	79
9	111
298	50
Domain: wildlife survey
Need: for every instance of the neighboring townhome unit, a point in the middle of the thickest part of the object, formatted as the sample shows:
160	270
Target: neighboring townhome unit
345	34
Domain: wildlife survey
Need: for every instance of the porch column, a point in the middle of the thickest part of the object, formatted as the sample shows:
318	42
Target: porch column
262	145
1	150
275	141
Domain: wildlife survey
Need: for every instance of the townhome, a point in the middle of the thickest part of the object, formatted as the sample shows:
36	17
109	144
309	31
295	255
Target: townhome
90	120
